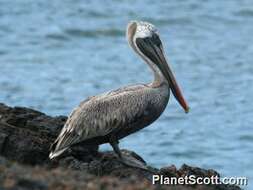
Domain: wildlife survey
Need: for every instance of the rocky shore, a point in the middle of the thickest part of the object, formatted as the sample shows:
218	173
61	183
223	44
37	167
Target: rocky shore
25	138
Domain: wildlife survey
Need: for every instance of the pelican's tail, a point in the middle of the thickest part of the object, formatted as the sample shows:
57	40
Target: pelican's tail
57	153
63	142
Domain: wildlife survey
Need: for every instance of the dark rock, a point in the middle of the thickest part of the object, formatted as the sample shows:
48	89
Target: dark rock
169	171
25	138
26	135
14	176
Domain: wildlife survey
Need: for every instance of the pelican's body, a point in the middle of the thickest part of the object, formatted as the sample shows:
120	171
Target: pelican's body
111	116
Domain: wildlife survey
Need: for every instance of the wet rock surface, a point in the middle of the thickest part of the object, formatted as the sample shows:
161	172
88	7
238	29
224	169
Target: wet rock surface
25	138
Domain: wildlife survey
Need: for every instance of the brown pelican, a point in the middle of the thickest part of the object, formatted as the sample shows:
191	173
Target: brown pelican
111	116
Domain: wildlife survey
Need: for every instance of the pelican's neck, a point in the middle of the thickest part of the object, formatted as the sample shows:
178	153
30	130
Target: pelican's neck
159	78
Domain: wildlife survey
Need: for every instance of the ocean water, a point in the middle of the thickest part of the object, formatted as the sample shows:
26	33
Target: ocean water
54	55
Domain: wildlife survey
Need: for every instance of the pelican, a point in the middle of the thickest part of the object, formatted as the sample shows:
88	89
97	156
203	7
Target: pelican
111	116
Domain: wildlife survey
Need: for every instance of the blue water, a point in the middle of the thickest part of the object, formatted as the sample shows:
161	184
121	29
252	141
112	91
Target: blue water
53	55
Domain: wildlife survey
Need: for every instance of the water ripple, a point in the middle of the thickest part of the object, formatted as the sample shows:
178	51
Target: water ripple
247	138
169	21
112	32
59	37
244	13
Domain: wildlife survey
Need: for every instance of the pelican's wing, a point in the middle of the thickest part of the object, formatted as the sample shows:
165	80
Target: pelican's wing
100	115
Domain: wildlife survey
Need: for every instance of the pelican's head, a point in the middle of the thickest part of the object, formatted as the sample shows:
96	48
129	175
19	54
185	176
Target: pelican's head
143	37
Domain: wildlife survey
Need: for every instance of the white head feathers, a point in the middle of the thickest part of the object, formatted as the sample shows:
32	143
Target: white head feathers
144	29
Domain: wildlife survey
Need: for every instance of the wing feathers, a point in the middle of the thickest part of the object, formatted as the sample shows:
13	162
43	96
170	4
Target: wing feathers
99	116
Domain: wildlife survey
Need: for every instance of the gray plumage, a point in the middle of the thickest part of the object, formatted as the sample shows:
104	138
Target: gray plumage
113	115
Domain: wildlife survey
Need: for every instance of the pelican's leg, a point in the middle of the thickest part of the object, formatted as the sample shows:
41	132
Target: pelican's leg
115	146
127	160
